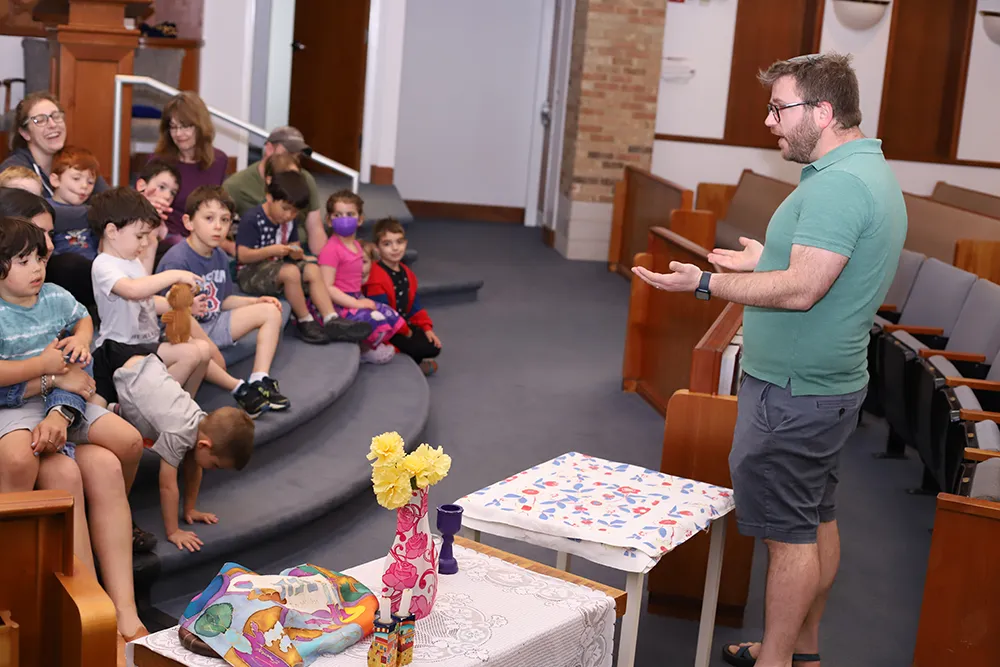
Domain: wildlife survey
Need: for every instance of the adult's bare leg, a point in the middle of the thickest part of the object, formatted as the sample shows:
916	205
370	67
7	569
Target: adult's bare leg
793	576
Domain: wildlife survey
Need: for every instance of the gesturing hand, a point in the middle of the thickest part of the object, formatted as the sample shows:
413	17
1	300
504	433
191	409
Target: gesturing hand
685	277
738	260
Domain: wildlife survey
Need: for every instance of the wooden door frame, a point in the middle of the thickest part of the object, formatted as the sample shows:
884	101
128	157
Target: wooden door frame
563	52
539	131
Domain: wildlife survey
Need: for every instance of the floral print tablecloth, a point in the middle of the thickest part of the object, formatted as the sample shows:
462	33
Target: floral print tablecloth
616	514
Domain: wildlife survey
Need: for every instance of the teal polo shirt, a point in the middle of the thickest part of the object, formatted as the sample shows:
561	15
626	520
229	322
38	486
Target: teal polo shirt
850	203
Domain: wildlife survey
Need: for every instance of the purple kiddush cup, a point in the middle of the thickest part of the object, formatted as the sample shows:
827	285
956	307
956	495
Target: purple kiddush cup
449	522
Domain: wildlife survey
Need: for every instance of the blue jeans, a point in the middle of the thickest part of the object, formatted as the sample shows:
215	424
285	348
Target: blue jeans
13	397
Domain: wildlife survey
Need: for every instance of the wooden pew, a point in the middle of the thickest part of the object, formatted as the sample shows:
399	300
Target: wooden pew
971	200
664	327
753	201
642	201
969	240
63	615
697	439
960	612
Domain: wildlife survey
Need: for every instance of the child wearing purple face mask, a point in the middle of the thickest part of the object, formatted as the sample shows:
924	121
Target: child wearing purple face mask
342	263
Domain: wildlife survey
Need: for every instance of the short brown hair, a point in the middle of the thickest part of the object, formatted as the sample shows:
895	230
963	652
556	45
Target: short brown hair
281	162
19	238
120	207
23	112
16	173
74	157
206	193
188	109
371	250
387	226
822	78
345	196
231	431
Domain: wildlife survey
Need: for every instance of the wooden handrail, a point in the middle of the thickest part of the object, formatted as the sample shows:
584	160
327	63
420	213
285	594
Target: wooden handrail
980	455
978	415
927	353
915	330
972	383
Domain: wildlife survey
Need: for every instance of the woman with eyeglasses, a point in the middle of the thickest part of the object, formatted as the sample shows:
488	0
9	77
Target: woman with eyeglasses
186	136
41	133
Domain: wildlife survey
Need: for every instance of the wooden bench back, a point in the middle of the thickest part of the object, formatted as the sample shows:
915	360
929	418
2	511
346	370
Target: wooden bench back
934	228
64	619
754	202
972	200
642	201
664	327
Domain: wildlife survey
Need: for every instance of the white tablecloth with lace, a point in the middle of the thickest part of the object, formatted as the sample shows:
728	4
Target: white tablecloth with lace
491	613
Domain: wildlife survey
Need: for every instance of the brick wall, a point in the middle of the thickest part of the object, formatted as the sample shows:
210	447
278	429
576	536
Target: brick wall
611	108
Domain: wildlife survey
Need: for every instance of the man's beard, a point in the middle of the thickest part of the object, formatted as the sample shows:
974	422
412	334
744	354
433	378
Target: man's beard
800	142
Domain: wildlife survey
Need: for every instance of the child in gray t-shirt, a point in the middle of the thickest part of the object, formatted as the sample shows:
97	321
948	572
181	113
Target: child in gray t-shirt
183	436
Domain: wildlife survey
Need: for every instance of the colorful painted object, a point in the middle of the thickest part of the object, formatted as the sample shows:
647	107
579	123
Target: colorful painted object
413	558
283	620
384	649
405	629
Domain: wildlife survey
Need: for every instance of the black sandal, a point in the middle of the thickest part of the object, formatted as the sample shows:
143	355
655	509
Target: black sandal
142	541
742	657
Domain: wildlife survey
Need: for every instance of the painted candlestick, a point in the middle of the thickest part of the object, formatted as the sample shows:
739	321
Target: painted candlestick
405	629
449	522
385	639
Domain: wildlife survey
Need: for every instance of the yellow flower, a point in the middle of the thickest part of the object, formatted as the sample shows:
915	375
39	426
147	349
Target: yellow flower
391	485
386	449
416	464
435	465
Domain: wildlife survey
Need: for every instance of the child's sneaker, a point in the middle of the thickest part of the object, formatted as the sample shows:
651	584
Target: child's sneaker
275	399
382	354
312	332
251	399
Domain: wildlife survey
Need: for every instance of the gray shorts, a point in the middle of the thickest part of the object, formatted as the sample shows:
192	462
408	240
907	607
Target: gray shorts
784	459
29	415
220	330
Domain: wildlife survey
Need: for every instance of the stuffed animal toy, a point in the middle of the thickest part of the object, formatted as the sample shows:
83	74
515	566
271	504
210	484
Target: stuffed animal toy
178	319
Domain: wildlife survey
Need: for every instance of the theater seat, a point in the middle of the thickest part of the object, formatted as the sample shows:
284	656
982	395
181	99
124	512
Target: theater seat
926	320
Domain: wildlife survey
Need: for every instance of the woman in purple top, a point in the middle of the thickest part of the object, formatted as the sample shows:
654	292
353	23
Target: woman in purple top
186	136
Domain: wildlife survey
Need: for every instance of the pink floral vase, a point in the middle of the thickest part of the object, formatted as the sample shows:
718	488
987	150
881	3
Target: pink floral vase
412	561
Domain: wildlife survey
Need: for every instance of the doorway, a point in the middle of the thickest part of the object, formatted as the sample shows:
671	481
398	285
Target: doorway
329	58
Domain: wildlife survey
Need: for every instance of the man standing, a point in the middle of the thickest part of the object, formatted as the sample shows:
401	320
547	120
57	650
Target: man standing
811	291
248	187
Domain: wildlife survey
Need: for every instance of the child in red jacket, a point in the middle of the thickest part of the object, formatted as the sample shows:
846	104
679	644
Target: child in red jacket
393	283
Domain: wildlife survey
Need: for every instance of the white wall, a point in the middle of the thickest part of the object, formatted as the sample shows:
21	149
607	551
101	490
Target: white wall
387	77
703	34
467	100
226	63
258	84
279	63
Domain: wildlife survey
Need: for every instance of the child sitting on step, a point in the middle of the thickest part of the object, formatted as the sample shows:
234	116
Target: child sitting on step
183	436
393	283
227	317
270	261
342	262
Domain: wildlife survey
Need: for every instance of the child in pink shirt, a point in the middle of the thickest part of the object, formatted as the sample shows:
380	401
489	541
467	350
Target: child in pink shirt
342	265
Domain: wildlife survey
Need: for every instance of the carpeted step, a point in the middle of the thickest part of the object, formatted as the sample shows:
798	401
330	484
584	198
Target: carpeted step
303	474
311	376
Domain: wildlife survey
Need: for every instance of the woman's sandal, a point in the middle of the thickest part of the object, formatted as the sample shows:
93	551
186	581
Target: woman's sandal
742	657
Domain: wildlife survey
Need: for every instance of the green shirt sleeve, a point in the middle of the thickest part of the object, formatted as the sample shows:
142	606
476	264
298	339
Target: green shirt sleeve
835	213
313	192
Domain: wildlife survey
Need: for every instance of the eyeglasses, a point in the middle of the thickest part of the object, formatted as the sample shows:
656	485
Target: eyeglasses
43	118
775	110
179	128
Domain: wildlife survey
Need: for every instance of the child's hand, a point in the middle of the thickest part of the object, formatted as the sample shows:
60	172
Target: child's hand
76	381
187	278
280	250
50	434
53	359
432	337
366	303
200	305
296	252
269	300
76	349
200	517
185	539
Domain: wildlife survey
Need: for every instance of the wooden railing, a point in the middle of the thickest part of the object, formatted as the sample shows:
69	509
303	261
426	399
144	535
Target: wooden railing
642	201
664	327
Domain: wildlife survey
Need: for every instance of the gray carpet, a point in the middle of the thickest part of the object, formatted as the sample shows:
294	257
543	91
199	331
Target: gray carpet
532	369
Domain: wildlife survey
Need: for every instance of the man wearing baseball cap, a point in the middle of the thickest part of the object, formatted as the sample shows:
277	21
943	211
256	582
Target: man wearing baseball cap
248	187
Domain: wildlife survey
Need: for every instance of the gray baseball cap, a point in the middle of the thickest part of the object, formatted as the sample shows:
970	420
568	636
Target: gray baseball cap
290	138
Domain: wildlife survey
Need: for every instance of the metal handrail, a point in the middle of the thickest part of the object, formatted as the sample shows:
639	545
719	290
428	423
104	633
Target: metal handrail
130	79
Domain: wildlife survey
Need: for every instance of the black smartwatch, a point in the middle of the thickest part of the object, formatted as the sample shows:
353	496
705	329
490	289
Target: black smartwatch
702	291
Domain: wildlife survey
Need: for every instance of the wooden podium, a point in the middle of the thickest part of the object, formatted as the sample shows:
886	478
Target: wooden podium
93	47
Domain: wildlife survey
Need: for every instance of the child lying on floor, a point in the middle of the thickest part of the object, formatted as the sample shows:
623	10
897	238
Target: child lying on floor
183	436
